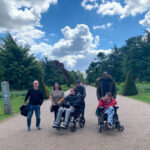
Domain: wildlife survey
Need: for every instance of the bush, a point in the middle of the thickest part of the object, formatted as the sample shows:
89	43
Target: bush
129	87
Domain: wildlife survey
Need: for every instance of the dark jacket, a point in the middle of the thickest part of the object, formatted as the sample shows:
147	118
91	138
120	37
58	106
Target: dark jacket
71	100
100	88
24	110
82	91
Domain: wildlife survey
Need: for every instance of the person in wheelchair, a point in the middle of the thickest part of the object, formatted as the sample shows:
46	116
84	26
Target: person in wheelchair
108	104
68	106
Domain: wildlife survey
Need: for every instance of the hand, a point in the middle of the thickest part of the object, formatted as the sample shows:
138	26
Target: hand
71	107
25	103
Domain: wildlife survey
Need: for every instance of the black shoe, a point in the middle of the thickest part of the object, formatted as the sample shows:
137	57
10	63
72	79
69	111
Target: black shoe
38	128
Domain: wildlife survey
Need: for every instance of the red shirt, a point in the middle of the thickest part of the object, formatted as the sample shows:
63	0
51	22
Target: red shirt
107	104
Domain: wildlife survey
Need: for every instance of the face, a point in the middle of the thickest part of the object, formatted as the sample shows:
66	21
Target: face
105	75
56	86
36	84
107	97
72	92
79	84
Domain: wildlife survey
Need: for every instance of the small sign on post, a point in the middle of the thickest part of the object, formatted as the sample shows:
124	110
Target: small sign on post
6	97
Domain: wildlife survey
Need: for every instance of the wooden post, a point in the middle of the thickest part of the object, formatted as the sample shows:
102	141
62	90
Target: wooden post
6	97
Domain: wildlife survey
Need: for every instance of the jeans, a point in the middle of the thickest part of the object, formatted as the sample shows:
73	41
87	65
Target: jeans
67	114
110	113
33	108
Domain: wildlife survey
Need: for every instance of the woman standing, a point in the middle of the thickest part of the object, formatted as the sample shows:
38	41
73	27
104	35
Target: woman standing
56	96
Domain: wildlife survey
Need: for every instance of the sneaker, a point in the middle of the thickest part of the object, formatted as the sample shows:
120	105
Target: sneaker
38	128
54	125
109	125
64	126
29	129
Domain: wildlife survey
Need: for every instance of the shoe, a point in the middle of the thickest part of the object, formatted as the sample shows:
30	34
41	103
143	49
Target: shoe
54	125
109	125
38	128
64	126
29	129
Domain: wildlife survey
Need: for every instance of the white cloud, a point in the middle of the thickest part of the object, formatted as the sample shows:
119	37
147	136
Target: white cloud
74	46
104	26
89	4
146	21
131	7
76	40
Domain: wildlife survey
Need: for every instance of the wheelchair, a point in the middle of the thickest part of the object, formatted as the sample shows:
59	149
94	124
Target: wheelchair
76	117
102	120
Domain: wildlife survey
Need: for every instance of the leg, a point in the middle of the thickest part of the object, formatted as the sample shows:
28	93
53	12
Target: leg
67	115
55	112
59	115
110	112
37	113
30	113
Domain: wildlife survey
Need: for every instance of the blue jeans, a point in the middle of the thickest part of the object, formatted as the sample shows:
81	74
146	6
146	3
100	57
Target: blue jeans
33	108
110	113
67	114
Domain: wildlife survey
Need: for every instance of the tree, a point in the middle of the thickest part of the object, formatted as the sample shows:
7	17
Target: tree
129	87
17	66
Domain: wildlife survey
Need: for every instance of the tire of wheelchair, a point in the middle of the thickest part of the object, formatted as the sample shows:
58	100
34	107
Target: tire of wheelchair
73	127
81	122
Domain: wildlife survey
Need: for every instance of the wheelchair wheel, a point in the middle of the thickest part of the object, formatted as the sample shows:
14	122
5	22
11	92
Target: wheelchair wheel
73	127
81	122
120	128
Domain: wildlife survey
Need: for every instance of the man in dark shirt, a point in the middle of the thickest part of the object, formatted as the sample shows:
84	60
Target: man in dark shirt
105	84
81	90
35	101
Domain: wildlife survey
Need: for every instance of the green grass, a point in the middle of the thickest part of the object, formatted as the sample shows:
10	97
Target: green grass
145	97
16	103
143	91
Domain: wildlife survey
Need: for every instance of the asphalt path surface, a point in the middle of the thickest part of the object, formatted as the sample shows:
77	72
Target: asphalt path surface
133	114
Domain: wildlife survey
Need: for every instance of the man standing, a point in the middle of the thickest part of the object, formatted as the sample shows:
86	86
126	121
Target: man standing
105	84
35	101
81	90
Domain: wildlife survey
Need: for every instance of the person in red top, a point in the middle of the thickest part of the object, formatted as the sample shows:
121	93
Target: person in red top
108	102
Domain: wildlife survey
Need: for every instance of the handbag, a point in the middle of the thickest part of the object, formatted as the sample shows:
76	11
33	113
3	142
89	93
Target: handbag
51	108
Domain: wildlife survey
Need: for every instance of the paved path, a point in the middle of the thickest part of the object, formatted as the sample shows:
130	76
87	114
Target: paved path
134	115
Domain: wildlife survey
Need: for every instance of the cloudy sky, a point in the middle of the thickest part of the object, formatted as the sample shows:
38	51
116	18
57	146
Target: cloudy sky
73	31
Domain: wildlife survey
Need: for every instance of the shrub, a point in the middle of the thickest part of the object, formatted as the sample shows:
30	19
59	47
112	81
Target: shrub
129	87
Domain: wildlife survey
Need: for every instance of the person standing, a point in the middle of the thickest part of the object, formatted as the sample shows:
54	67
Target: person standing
105	84
35	101
56	96
82	92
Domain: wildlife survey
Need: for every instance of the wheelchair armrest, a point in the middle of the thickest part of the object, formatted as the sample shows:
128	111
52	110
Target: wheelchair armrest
116	107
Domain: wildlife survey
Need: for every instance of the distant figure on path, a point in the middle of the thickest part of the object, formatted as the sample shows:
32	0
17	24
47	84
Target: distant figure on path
35	101
56	96
105	84
81	90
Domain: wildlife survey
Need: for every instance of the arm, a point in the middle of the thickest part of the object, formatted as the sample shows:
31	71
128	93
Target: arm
114	90
100	103
51	99
84	92
98	92
65	102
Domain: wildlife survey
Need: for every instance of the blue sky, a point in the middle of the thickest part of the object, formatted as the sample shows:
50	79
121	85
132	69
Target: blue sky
73	31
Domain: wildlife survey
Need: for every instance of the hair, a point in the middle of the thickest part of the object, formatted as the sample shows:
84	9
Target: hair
59	86
75	90
109	94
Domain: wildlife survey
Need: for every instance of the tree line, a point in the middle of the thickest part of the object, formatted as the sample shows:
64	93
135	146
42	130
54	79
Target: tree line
134	56
20	68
